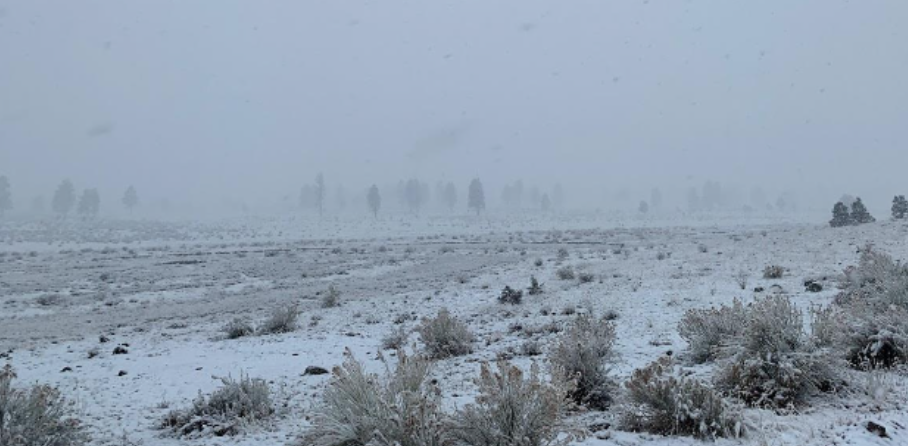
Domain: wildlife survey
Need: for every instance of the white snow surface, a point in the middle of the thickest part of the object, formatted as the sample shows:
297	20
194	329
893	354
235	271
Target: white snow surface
167	289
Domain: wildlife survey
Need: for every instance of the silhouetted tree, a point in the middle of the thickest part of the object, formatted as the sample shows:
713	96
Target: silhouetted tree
130	198
64	198
415	195
89	203
374	199
6	197
476	199
450	196
545	203
320	193
643	208
655	198
899	207
840	216
859	213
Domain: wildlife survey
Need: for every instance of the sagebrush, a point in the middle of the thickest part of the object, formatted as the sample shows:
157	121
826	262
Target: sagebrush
38	415
233	406
445	336
582	353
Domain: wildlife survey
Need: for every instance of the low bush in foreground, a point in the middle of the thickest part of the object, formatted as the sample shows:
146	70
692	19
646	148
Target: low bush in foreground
35	416
402	408
581	353
707	332
283	319
661	402
514	409
236	404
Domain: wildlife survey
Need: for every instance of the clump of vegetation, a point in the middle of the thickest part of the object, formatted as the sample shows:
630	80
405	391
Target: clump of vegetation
238	328
283	319
395	339
563	254
445	336
773	272
581	353
235	405
36	416
401	408
660	401
510	296
857	216
514	409
708	332
535	287
899	207
331	298
776	364
565	273
585	277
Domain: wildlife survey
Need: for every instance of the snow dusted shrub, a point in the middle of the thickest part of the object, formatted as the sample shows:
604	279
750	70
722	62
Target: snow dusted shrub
238	328
331	298
565	273
776	365
514	410
586	277
283	319
826	325
660	401
773	272
581	353
235	405
510	296
708	331
395	339
875	339
445	336
402	408
35	416
535	287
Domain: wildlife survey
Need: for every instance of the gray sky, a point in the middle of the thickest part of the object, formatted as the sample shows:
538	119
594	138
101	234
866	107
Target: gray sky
250	99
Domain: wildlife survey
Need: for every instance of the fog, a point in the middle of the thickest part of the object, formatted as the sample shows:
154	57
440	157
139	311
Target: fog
230	102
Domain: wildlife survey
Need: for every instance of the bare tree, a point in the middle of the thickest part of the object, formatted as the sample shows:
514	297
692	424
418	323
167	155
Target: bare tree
374	199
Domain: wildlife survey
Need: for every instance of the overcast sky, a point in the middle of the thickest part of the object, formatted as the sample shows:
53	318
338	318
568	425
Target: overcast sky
250	99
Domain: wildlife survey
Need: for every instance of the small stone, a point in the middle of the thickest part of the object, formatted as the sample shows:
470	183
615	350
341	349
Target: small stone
315	370
877	429
758	289
104	339
813	287
122	373
120	350
66	369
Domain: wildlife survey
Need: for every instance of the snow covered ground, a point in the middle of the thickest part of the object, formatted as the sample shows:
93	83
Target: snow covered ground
167	289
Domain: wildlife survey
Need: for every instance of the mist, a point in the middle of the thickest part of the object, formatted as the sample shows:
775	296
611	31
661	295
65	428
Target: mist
209	106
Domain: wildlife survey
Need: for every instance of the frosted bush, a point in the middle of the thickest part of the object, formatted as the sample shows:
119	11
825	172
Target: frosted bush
236	404
238	328
514	409
283	319
662	402
401	408
707	332
445	336
581	353
35	416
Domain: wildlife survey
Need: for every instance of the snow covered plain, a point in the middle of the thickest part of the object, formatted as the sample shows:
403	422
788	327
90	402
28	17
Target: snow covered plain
167	289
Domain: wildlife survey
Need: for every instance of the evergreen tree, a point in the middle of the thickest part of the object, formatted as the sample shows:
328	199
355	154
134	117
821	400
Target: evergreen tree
859	214
89	203
476	199
545	203
414	195
840	216
6	198
64	198
899	207
450	196
374	200
130	198
643	208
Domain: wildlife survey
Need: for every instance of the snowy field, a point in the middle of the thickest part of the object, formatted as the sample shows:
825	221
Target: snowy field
164	291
